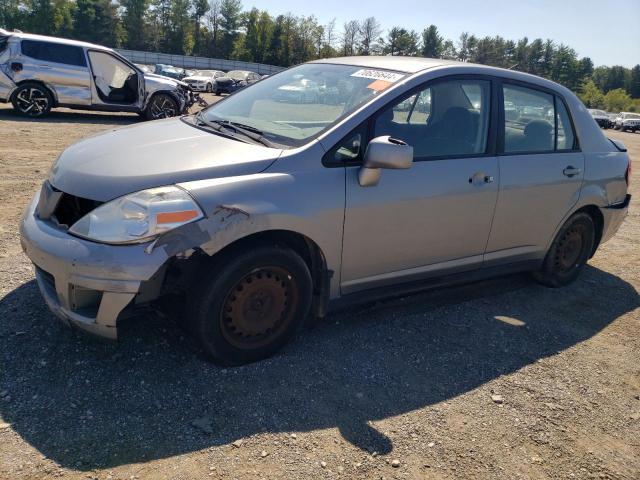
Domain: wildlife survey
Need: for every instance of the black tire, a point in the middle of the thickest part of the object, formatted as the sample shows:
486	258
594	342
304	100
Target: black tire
161	105
569	252
250	305
218	93
32	99
209	88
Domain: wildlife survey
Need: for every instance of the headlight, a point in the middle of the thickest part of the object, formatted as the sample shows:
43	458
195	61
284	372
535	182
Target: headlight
138	217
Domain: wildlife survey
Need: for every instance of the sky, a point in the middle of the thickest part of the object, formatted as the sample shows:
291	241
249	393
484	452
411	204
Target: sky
607	31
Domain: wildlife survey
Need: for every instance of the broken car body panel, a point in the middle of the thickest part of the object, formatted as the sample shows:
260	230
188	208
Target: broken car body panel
78	85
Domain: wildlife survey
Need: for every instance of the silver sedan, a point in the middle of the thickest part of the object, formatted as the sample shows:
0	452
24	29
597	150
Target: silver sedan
260	212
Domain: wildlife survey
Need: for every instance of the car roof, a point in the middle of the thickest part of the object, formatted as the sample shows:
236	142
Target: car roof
414	65
64	41
389	62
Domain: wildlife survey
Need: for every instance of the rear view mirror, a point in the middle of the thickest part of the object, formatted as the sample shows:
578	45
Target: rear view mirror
383	152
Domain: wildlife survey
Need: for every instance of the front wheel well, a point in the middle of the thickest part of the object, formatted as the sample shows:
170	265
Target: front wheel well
191	269
598	219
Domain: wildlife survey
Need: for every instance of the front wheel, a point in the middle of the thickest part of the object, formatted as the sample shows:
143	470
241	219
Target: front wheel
569	252
249	306
209	88
161	105
32	100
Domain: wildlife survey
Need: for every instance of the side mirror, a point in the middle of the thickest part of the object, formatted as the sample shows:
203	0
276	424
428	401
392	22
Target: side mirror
383	152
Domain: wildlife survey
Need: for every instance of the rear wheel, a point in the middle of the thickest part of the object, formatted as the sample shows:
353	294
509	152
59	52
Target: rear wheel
569	252
161	105
32	100
248	307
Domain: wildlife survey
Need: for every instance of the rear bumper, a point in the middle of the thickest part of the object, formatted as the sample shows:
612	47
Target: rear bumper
85	284
614	215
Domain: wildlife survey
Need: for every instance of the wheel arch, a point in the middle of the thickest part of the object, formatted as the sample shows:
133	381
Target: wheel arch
48	87
598	219
304	246
158	92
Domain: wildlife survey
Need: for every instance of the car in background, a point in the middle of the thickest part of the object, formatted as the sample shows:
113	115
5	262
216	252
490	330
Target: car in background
203	80
256	215
38	73
169	71
601	118
235	80
301	90
628	121
144	68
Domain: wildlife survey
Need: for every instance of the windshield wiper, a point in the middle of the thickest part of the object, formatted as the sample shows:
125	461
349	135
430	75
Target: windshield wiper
246	130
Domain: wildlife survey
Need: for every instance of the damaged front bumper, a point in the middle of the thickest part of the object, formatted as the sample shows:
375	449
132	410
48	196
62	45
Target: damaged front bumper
88	284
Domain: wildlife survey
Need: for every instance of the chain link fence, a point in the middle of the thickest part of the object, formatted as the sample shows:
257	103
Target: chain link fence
203	63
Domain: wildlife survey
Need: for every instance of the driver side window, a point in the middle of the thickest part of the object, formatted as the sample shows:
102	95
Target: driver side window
445	119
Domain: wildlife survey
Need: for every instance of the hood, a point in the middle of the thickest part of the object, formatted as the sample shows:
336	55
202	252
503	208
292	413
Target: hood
161	80
197	78
152	154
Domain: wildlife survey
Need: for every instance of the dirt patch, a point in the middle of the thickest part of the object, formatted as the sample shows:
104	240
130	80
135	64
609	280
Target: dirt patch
502	379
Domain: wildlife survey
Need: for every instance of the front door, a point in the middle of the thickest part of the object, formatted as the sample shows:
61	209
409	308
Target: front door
114	81
434	217
541	173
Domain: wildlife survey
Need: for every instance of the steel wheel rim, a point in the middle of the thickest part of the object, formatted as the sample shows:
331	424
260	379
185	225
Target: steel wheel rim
259	308
32	101
162	107
569	251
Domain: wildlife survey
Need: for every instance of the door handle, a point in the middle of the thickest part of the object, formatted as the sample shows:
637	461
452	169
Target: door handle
479	178
571	171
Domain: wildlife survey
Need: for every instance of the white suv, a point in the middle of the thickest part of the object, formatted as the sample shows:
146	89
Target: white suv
628	121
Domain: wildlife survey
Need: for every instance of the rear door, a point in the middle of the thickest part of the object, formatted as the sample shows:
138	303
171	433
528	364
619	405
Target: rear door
541	173
60	66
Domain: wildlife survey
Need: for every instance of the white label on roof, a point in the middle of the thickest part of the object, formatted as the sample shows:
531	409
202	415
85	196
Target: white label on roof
378	75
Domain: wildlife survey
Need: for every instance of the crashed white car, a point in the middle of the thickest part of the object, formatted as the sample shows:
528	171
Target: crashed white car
38	73
203	80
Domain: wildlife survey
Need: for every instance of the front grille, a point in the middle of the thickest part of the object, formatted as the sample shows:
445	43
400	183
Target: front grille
70	209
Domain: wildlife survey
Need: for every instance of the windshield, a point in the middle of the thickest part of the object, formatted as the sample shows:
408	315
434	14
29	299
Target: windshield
598	112
298	104
631	115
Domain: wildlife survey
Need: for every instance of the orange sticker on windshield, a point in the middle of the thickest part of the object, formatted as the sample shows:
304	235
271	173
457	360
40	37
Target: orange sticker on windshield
379	85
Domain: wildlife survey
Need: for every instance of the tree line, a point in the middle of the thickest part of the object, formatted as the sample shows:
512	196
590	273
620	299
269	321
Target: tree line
224	29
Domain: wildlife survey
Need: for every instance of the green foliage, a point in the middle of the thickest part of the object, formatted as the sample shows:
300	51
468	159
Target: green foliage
224	29
591	95
617	100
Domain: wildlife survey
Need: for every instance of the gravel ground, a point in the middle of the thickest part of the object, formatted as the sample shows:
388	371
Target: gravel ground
500	379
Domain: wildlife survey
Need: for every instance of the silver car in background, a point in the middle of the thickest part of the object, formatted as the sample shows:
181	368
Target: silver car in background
38	73
258	212
203	80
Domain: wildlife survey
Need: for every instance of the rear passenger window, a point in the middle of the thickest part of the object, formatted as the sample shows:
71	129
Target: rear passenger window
54	52
566	138
528	120
535	122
